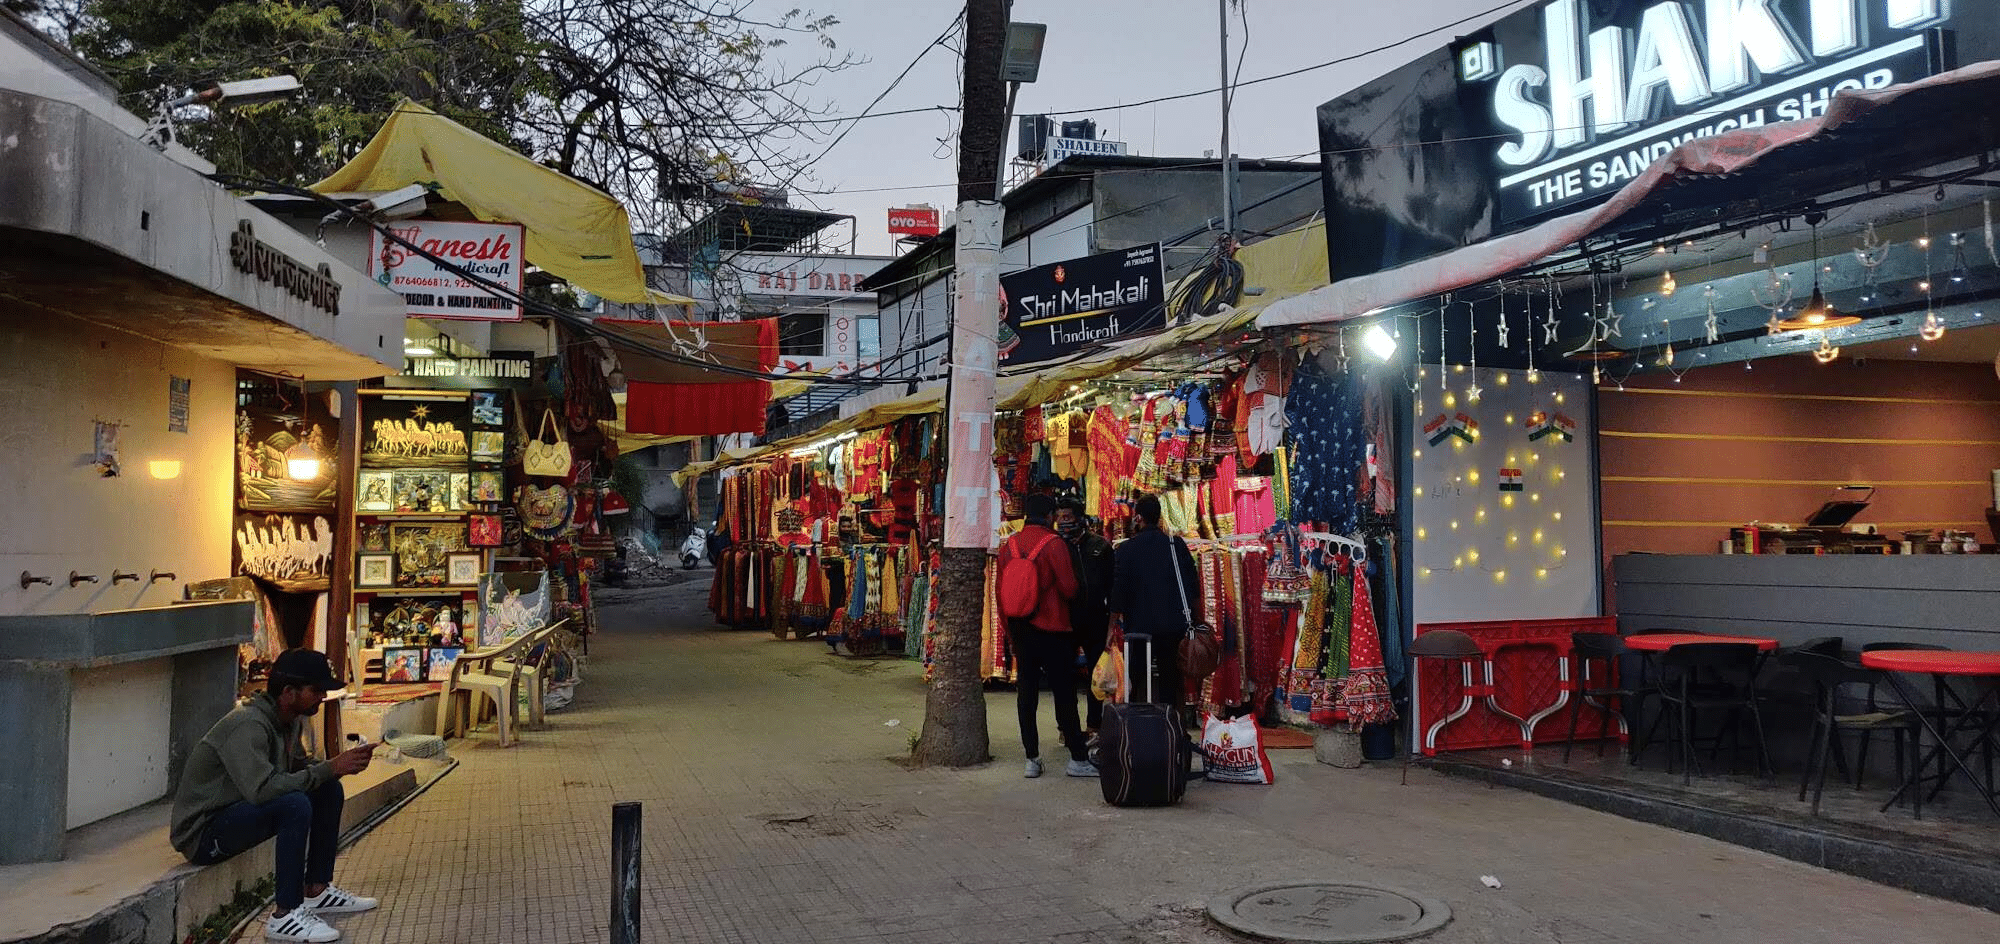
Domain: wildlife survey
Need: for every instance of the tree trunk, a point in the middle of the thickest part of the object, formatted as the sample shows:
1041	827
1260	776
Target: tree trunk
954	733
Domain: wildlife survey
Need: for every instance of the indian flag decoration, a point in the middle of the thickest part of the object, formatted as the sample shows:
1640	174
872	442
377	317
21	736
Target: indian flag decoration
1546	425
1443	427
1510	480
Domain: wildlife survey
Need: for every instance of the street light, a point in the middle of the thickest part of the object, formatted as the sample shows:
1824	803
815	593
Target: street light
160	131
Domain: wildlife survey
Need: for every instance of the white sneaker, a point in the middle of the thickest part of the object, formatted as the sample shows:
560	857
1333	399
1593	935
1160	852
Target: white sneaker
1080	768
1034	768
299	925
336	901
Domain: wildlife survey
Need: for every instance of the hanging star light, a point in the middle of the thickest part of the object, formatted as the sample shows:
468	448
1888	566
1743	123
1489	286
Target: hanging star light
1711	324
1340	358
1607	323
1551	321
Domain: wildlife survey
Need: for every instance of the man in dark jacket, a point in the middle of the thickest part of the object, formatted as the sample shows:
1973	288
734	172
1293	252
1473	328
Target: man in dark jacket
249	780
1090	612
1043	644
1147	599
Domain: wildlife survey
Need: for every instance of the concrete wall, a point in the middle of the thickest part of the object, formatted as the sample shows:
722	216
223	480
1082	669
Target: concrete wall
118	738
170	509
1483	554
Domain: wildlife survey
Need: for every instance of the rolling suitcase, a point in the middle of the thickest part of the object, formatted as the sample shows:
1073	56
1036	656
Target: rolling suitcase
1143	754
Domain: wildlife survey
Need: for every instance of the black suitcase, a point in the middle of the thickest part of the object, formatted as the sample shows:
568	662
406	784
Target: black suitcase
1143	753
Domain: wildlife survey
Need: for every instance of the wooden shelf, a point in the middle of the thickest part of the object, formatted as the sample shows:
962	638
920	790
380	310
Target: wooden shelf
414	515
411	591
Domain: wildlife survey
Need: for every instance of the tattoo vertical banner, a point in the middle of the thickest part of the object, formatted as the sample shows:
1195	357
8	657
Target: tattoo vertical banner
969	498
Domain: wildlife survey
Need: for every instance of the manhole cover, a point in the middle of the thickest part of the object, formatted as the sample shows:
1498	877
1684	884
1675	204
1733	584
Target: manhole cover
1328	912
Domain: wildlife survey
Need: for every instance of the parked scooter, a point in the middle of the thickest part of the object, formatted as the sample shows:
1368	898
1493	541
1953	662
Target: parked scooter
694	549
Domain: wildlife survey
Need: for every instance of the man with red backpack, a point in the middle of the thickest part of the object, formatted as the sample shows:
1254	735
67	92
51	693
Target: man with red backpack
1036	584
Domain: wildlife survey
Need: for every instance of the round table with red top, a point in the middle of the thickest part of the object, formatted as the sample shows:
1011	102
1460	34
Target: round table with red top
1661	642
1940	664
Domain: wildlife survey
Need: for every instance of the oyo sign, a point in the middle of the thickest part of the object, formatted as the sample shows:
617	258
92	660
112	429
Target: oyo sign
914	221
1582	106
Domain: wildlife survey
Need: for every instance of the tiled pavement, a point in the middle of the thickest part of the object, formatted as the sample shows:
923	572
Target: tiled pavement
773	813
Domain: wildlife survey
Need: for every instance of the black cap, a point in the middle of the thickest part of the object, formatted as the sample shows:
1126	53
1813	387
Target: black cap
308	666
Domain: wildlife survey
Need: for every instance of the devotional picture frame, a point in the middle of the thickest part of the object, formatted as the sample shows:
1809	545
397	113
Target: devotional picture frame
375	570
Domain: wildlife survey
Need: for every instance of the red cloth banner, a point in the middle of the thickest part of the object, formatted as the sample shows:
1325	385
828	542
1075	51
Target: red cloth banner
712	409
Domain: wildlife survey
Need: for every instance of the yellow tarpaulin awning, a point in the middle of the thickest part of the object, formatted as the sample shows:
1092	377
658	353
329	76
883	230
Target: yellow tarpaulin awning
574	231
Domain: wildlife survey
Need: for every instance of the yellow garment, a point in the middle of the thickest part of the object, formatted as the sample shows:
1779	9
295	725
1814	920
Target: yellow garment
575	231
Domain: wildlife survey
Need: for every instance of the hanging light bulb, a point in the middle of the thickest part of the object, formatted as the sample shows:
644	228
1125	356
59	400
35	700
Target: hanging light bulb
1826	353
1932	328
1668	286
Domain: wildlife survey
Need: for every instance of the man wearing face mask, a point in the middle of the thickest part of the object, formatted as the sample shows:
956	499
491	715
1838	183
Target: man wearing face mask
1089	610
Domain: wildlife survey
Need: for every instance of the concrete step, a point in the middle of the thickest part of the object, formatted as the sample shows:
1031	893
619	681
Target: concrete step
124	884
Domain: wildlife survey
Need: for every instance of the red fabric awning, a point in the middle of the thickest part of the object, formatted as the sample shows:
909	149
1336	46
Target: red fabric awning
706	409
1729	153
666	397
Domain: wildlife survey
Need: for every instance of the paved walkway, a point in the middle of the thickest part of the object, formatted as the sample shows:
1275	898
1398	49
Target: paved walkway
774	814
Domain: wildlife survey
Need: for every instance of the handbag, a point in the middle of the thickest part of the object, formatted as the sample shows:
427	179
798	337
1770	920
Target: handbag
545	458
1201	648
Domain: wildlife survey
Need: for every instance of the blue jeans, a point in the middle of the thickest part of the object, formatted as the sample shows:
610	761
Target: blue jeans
308	829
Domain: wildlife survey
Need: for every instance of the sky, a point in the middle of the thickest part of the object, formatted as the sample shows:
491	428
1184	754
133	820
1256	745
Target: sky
1099	54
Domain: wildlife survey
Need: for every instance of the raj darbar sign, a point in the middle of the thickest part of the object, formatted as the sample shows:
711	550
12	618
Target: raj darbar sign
1580	106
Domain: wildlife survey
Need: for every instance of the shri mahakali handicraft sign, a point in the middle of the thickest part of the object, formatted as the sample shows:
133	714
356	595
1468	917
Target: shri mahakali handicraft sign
263	261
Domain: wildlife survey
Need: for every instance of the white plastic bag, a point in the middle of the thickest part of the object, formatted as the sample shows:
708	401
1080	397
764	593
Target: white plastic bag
1233	751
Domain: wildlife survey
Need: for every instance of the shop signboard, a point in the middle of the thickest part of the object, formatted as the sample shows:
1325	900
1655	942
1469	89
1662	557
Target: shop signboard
914	221
513	369
1577	98
1055	309
1060	148
493	251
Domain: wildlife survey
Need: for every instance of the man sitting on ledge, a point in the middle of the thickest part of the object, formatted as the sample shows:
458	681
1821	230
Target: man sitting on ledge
249	779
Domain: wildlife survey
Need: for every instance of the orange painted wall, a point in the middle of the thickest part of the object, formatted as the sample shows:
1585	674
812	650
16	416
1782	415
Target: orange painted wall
1683	462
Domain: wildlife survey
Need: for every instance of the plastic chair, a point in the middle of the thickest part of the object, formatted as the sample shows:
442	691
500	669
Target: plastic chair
1588	649
1829	675
1733	670
475	677
1443	644
531	669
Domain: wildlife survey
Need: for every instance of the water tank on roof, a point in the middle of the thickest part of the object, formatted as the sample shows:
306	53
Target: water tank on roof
1085	129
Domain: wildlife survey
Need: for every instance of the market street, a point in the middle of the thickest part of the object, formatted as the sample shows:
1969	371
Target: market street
773	813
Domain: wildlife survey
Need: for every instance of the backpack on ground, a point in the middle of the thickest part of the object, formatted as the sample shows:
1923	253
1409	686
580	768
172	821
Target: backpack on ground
1021	580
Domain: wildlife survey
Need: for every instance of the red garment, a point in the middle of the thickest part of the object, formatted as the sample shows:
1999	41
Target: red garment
903	497
696	409
1058	577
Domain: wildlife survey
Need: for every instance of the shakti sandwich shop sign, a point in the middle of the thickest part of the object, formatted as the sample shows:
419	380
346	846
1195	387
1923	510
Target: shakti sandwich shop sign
1582	95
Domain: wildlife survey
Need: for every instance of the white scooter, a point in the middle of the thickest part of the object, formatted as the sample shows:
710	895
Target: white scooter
694	549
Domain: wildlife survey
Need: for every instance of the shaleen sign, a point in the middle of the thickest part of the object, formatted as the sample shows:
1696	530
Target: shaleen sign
1055	309
492	251
1583	97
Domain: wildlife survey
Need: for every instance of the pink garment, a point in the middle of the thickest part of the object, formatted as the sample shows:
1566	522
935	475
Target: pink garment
1256	508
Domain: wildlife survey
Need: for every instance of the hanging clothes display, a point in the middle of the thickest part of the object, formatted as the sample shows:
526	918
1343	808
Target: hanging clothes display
1328	448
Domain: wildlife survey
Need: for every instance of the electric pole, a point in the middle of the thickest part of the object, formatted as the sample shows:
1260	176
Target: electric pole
954	733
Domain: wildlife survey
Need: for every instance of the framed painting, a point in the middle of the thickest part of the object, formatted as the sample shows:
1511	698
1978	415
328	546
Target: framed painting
489	445
267	443
376	493
441	661
489	408
462	570
423	490
413	432
403	664
486	530
293	551
376	570
487	486
423	552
